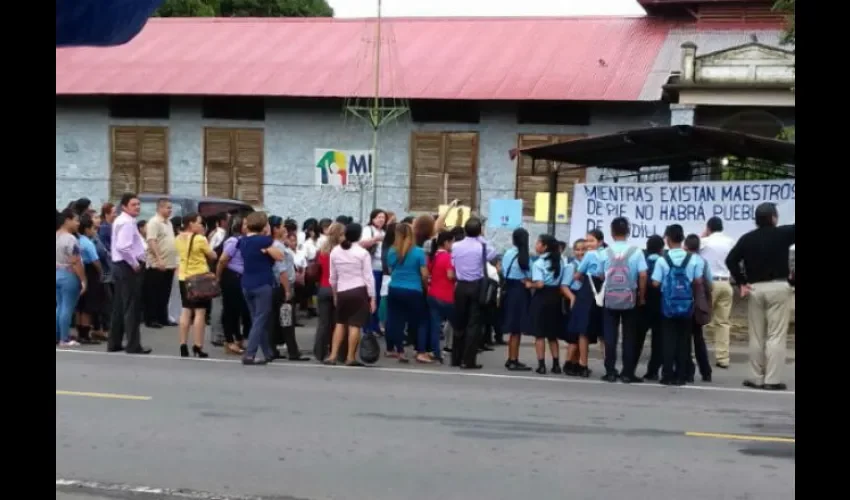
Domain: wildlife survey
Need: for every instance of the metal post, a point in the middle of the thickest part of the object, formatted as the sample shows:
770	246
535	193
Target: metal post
553	195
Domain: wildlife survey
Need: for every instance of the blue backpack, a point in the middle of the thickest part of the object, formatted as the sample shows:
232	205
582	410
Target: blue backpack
677	294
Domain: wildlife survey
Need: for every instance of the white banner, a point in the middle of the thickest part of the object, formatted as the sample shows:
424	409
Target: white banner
336	167
651	207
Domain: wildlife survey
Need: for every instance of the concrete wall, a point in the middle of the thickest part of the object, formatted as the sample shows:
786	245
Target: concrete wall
292	134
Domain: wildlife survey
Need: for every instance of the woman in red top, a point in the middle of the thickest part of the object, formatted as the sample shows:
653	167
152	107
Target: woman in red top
324	296
441	290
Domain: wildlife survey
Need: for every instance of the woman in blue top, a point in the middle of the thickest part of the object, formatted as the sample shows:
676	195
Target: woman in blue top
516	267
545	308
572	366
406	300
586	318
90	303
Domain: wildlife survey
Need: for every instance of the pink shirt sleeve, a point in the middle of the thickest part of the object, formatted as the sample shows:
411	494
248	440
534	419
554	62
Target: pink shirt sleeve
368	277
123	243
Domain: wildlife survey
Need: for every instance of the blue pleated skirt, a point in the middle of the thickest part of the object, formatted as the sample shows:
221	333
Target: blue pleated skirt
515	304
585	316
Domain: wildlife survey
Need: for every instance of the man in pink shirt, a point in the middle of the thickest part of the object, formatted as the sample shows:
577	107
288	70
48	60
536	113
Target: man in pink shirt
128	264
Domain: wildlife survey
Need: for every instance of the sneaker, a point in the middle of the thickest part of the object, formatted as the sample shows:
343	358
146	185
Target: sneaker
70	343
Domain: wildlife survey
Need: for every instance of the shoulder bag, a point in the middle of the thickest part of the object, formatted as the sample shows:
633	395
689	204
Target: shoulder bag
488	287
200	286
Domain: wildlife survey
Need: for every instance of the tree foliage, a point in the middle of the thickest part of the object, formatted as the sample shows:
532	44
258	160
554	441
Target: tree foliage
788	8
245	8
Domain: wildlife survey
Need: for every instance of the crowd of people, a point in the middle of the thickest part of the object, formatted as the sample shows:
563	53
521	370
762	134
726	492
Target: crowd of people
416	282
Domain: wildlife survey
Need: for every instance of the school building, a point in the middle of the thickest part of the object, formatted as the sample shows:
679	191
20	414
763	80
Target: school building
244	108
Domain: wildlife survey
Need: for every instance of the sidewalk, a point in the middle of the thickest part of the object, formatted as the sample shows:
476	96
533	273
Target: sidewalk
164	342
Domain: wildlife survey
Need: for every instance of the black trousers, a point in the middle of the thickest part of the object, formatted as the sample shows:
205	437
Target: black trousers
127	307
279	334
611	322
700	353
468	329
234	308
326	321
157	290
649	318
677	348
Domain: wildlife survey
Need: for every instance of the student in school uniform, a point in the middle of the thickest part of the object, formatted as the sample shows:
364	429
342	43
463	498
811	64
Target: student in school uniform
586	316
516	266
545	307
573	362
649	315
692	245
623	267
675	275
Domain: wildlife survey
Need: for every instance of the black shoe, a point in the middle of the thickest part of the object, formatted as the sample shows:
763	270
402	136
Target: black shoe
556	368
688	380
253	362
583	371
725	367
447	349
516	366
775	387
752	385
680	382
541	369
471	367
706	378
153	325
199	352
651	376
184	351
610	377
141	350
298	358
171	323
115	349
631	379
666	381
570	369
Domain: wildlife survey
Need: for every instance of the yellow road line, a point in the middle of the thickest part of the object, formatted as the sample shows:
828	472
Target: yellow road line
742	437
103	395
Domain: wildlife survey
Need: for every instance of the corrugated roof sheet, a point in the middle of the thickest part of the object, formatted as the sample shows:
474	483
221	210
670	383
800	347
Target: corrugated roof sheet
707	40
583	58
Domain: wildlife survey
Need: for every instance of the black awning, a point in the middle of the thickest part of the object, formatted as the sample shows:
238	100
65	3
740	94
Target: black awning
633	149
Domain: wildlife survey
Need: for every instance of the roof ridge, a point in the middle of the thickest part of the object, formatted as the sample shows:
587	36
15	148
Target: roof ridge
424	19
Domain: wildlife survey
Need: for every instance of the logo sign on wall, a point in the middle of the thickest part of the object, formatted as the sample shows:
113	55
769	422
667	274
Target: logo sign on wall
335	167
651	207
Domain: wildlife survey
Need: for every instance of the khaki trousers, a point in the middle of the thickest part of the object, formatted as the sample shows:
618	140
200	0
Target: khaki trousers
718	328
769	316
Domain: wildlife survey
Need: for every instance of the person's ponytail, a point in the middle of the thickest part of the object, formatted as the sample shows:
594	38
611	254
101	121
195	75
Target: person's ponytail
345	244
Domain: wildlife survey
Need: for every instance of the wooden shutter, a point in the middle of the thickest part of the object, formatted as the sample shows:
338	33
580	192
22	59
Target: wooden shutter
461	165
153	164
528	185
439	159
233	164
426	171
248	165
139	161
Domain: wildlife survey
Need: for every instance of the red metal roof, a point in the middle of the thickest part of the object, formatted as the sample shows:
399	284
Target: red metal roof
581	58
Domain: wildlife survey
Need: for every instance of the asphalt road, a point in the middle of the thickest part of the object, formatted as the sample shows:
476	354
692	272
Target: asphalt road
159	427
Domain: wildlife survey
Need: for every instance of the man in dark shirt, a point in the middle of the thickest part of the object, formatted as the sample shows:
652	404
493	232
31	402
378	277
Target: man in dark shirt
764	278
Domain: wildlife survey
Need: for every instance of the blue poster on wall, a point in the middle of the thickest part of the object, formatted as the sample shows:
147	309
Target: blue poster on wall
505	214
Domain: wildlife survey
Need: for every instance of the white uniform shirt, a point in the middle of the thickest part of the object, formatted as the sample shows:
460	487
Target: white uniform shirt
714	248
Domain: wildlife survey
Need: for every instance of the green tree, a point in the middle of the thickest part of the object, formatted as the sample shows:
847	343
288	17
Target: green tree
188	8
245	8
788	8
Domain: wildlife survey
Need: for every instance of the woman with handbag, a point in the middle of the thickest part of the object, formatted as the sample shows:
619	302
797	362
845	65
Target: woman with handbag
197	284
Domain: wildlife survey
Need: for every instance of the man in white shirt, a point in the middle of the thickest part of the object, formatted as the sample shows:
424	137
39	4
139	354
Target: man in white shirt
714	248
218	235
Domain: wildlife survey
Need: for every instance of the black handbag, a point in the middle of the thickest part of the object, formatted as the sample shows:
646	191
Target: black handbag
488	286
370	350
